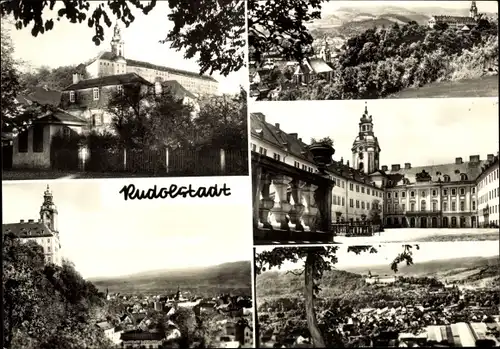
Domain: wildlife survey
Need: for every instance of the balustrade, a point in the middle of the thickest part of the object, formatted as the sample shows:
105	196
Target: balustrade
290	205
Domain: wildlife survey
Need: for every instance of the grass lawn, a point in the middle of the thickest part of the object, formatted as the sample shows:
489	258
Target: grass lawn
482	87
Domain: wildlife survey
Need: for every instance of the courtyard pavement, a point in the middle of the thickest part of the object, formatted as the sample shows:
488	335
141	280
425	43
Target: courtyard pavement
424	235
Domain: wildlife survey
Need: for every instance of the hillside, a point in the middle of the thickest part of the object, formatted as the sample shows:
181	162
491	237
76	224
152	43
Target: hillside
467	269
348	21
229	277
471	270
283	284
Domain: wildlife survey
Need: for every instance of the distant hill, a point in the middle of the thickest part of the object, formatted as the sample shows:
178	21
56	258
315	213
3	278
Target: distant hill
471	270
228	277
351	20
281	284
466	269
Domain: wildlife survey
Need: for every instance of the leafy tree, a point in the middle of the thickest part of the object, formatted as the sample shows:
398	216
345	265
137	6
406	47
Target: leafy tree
375	211
317	260
45	305
55	79
10	83
143	119
214	30
279	26
325	140
222	121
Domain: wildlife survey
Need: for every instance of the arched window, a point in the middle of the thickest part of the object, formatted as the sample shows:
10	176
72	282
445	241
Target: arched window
463	177
446	178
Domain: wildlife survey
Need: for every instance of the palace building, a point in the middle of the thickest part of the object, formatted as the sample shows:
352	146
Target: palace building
458	22
354	193
114	63
459	194
42	231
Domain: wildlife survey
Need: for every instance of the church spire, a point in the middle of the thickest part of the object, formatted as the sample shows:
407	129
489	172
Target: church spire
117	43
48	210
473	10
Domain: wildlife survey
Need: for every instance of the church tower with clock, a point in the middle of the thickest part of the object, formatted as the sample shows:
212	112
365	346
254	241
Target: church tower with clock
48	211
365	149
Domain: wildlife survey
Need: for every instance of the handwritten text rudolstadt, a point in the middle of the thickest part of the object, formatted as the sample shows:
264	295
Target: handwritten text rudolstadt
130	192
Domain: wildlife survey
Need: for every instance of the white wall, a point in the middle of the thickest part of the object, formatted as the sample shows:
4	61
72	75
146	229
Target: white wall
488	192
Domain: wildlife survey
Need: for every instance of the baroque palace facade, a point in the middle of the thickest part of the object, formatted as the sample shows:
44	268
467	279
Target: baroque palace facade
43	231
460	194
114	63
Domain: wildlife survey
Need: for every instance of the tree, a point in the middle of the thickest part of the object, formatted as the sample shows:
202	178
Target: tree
317	260
45	305
279	26
144	119
375	212
10	83
222	121
214	30
325	140
55	79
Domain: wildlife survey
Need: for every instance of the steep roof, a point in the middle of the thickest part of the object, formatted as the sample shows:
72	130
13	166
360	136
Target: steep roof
27	229
437	172
104	325
137	335
45	96
347	172
177	89
109	80
261	129
319	65
60	117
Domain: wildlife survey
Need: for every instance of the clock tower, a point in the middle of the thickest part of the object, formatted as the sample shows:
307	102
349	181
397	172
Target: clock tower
48	210
365	149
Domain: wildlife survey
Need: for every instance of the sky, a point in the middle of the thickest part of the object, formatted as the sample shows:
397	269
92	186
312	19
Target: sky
106	236
428	252
483	6
69	43
418	131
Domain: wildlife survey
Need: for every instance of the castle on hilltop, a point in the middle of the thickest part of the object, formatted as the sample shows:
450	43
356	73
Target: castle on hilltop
114	62
464	23
43	231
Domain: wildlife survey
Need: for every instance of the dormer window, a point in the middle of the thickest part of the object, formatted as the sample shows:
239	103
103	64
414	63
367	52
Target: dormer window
446	178
95	93
72	96
463	177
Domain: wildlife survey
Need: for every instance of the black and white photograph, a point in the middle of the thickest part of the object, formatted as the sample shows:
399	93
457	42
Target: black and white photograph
95	89
438	294
338	50
374	171
82	268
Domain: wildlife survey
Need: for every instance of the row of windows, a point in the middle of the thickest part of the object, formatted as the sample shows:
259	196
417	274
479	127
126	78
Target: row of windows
423	206
434	192
493	176
360	204
492	194
95	93
362	190
276	156
493	209
338	200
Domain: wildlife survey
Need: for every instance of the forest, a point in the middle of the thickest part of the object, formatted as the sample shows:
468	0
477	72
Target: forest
383	61
46	306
